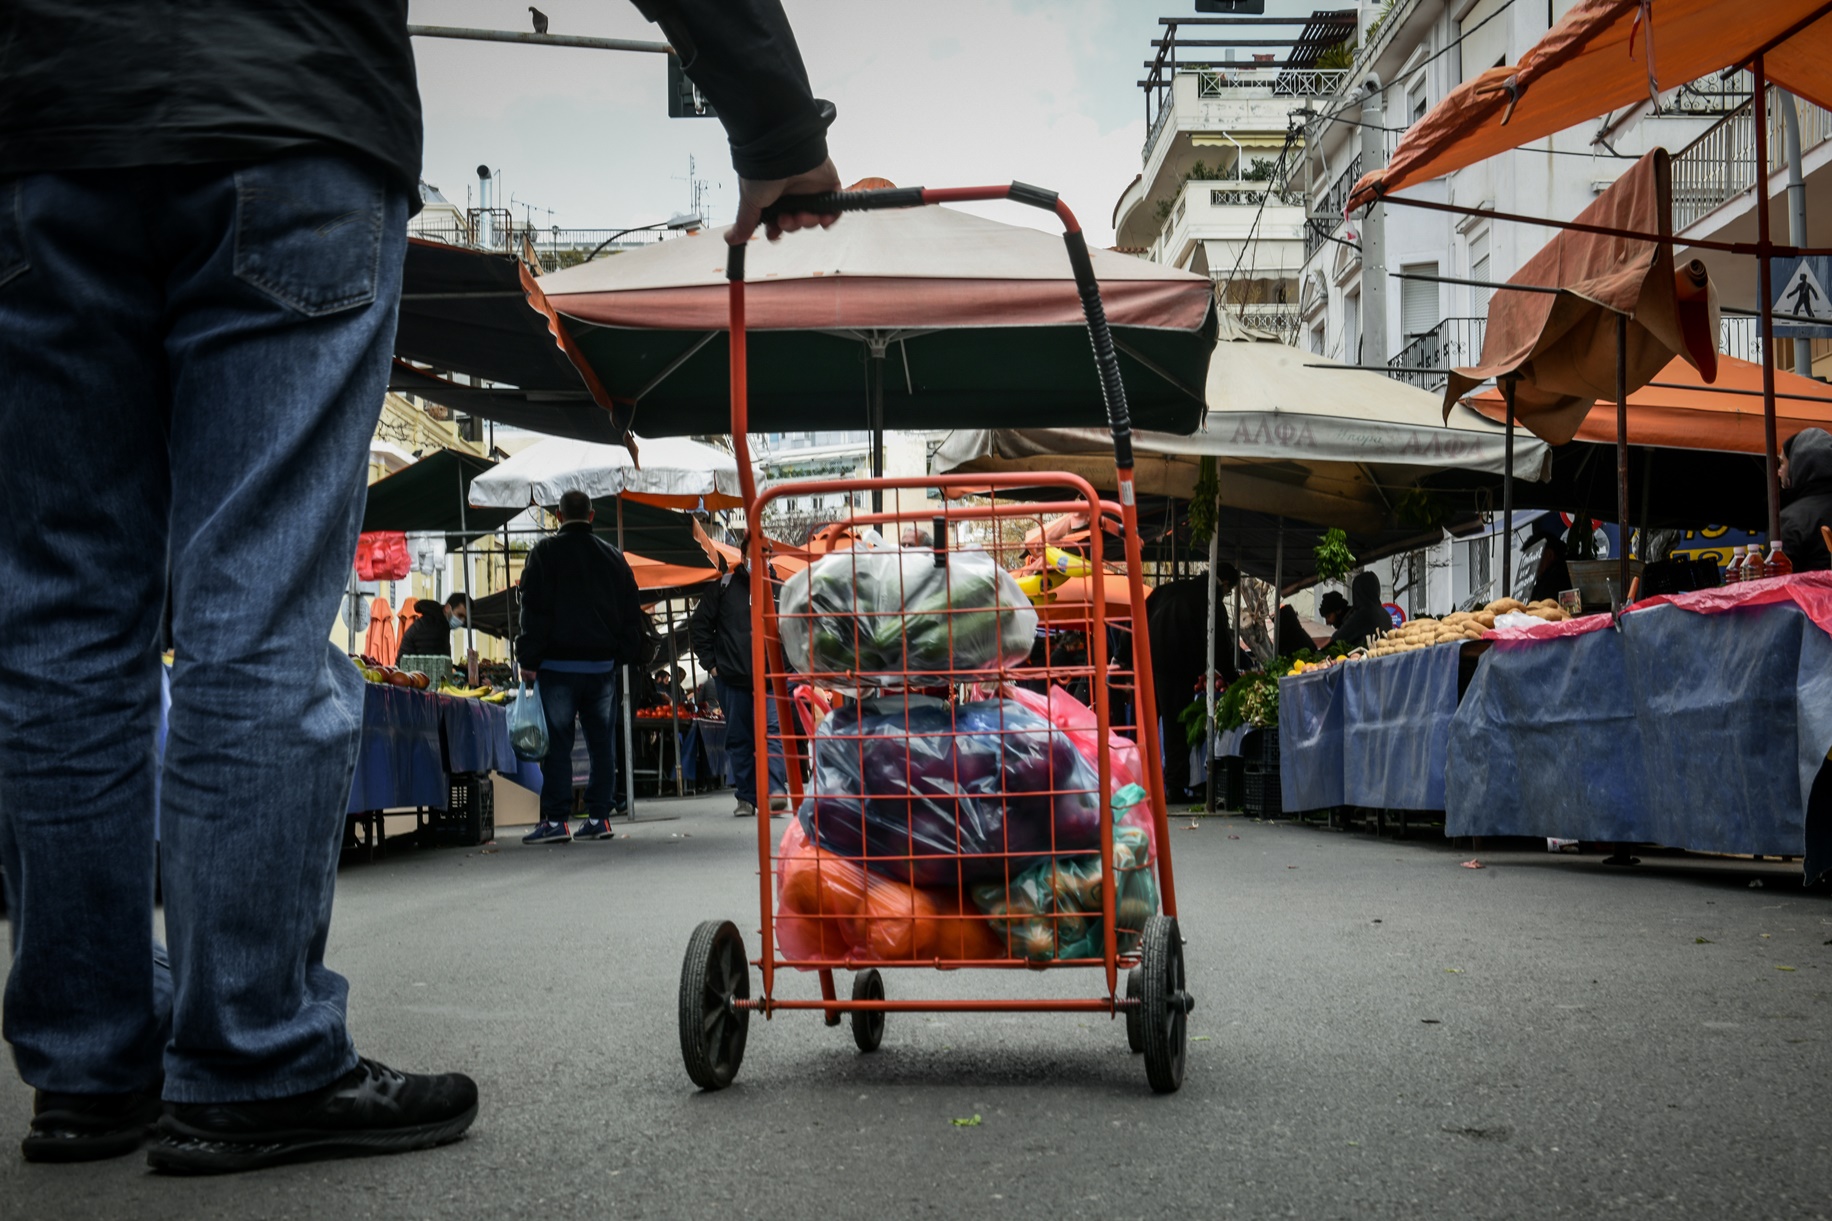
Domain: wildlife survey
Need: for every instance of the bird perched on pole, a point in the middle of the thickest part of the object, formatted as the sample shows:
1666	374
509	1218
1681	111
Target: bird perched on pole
540	20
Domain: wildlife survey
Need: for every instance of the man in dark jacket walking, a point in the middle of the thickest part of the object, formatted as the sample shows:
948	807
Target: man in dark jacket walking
581	619
721	629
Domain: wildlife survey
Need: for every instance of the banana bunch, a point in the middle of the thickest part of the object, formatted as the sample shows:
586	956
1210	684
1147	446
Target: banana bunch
468	693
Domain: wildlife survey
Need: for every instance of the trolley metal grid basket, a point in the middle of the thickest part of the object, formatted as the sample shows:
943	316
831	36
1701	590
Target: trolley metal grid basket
948	821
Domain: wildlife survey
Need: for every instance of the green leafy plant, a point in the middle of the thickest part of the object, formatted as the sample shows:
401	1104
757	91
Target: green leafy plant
1421	509
1334	559
1202	502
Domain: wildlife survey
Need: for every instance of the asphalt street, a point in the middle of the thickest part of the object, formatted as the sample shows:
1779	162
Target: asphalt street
1380	1032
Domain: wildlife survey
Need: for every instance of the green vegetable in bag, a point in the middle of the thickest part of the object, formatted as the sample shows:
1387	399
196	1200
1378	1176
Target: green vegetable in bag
1053	909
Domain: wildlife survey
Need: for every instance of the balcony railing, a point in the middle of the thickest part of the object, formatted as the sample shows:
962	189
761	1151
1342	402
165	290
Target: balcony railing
1248	195
1721	164
1281	320
1741	337
1216	81
1423	361
1326	214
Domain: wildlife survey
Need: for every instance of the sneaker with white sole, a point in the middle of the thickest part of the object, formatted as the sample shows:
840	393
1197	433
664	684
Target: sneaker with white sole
595	828
745	810
549	833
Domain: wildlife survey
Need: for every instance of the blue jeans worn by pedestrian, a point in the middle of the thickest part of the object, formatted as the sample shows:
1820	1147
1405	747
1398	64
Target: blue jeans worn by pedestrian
593	699
192	361
741	741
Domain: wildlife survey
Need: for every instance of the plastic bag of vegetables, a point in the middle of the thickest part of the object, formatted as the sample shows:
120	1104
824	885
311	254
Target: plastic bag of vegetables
828	908
920	790
1053	909
863	618
1125	768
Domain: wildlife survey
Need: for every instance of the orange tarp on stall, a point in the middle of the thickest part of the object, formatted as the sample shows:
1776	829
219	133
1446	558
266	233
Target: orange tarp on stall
1607	54
1678	411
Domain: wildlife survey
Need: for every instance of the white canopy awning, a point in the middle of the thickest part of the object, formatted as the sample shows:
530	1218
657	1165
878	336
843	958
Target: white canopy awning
676	473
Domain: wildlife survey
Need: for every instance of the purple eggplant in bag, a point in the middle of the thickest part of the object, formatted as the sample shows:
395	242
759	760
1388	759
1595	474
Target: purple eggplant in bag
923	791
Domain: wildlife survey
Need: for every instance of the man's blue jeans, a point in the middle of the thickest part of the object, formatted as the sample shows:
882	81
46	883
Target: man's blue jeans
192	361
592	698
741	741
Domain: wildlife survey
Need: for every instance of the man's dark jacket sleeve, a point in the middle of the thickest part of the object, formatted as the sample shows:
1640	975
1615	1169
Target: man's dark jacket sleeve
703	629
537	613
742	55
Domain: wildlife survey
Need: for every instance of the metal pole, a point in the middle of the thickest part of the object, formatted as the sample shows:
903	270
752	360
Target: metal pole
1765	297
629	758
1506	578
1373	229
350	611
531	39
1208	687
1796	209
509	607
464	542
1278	583
877	422
1622	459
674	702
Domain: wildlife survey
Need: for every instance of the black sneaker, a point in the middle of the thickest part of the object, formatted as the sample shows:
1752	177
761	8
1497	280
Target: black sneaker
87	1127
370	1109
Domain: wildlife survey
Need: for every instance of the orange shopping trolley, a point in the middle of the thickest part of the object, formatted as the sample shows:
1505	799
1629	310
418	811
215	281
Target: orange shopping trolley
972	762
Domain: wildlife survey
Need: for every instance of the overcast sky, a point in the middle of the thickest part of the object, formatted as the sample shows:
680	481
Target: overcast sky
929	92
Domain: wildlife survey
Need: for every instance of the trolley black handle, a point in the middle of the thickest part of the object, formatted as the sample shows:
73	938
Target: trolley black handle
846	201
1106	358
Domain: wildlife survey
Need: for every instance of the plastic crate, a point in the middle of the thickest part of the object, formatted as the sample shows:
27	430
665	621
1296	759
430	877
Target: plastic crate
1262	793
1262	747
1230	781
469	817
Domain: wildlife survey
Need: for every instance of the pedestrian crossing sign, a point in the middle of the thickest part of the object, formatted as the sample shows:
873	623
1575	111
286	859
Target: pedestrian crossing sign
1801	308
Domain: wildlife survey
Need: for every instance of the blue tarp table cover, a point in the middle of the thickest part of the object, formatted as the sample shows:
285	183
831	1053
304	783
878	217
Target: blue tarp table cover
398	759
1396	715
1310	738
1373	734
1688	730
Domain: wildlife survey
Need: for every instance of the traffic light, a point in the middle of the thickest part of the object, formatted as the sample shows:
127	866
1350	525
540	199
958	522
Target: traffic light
1230	6
685	101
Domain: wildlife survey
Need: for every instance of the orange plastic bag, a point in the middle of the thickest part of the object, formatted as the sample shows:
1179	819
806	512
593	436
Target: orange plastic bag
828	906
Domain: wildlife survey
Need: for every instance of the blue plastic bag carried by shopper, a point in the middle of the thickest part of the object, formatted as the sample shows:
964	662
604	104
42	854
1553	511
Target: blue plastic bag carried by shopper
528	724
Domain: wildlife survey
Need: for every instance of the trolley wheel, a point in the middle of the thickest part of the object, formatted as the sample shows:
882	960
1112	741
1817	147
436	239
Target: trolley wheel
1135	1029
714	975
868	1026
1164	1005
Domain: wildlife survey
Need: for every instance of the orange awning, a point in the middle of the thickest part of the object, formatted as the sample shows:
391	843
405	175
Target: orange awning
1601	57
1677	410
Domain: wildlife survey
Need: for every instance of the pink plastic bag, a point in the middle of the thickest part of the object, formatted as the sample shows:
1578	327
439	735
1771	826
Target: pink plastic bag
1079	724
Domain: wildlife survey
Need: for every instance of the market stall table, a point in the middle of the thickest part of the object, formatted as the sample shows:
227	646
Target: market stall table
1372	734
1702	723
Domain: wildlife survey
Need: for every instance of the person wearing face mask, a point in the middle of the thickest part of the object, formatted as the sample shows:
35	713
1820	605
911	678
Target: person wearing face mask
430	635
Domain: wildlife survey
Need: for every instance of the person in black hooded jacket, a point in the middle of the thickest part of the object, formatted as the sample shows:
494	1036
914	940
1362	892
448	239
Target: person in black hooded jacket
1366	615
582	617
1806	498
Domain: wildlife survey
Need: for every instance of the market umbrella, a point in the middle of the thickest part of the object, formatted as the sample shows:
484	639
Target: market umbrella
921	318
674	472
483	315
431	496
1697	454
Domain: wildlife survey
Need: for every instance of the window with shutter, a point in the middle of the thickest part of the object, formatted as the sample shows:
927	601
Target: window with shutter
1418	300
1479	270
